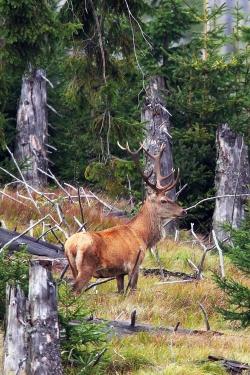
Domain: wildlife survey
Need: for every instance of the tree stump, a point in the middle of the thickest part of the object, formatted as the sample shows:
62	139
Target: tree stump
157	121
43	342
232	177
32	128
32	328
15	348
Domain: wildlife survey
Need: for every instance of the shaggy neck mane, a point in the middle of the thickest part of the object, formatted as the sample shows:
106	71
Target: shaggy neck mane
147	224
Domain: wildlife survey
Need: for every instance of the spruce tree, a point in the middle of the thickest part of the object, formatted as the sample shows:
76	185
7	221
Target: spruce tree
238	294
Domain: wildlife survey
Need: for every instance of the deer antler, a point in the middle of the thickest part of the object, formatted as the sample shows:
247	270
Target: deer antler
135	157
158	187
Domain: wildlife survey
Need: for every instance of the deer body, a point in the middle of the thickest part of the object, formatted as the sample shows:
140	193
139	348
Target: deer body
113	252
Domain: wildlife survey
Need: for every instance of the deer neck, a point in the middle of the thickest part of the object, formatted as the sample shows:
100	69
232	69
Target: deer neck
147	225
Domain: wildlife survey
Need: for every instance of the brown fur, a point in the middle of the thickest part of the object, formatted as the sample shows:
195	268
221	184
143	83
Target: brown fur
113	252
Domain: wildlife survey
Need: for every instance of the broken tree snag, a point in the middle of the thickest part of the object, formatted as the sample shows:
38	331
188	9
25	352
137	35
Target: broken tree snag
155	116
232	177
43	342
32	128
15	348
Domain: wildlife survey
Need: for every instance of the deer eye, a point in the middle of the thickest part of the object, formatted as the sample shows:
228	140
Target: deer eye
164	201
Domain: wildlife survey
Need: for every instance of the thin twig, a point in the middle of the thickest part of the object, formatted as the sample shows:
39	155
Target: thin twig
98	283
31	187
205	316
63	272
218	197
220	254
80	204
13	199
181	189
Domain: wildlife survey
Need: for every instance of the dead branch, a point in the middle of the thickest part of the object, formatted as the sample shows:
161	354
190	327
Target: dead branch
98	283
30	187
220	254
53	177
80	204
218	197
205	316
205	251
12	198
181	190
62	220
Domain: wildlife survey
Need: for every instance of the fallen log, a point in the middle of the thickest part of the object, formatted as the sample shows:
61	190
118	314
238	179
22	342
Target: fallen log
125	327
34	247
234	367
167	273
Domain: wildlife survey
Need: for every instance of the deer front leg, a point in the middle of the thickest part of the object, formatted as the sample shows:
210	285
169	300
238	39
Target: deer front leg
120	283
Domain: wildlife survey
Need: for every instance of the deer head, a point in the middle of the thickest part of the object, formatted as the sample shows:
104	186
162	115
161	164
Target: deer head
164	207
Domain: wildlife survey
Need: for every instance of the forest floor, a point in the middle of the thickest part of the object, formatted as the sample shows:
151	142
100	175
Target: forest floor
159	305
165	305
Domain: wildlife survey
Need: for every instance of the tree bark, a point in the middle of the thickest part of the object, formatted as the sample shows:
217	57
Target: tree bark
232	177
15	348
157	125
43	343
32	128
32	329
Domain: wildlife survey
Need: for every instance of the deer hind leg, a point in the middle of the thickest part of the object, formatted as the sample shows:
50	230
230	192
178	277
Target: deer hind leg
72	264
86	266
120	283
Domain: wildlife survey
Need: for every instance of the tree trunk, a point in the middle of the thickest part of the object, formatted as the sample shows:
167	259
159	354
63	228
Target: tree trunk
32	128
44	352
232	177
157	124
15	348
31	344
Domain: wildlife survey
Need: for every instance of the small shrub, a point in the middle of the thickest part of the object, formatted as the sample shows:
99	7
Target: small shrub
14	269
83	345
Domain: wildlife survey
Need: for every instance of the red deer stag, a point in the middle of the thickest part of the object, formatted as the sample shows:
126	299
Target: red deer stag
115	251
